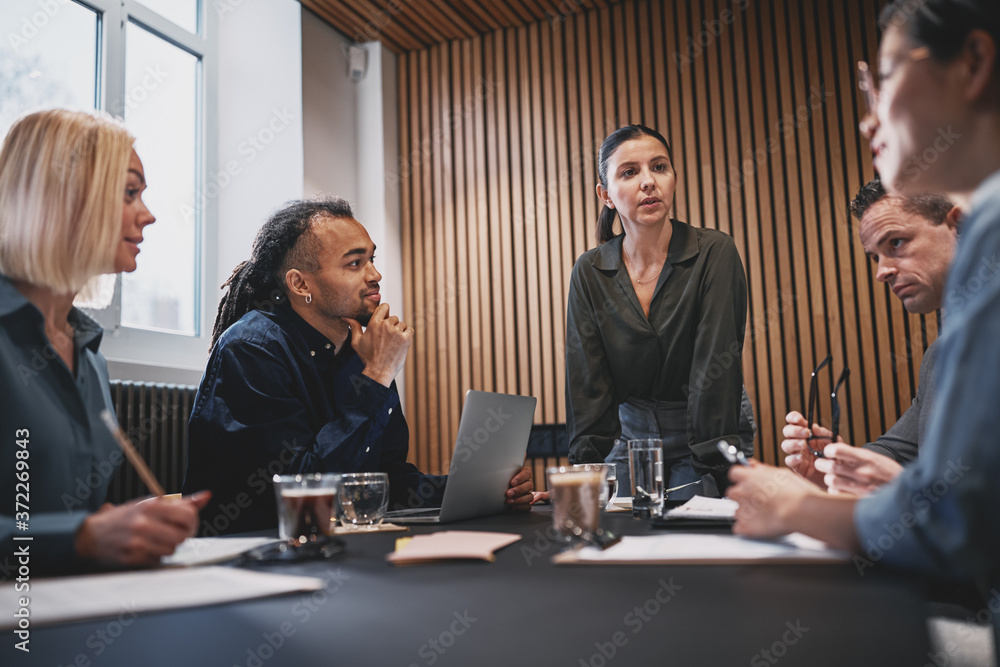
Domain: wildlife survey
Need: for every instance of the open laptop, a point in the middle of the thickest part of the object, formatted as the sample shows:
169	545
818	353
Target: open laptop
492	441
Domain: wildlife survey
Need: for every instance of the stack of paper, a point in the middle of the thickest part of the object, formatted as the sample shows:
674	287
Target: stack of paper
701	549
209	550
449	545
700	507
63	599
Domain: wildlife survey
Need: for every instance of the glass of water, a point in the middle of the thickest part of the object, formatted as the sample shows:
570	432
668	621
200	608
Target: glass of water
363	498
645	460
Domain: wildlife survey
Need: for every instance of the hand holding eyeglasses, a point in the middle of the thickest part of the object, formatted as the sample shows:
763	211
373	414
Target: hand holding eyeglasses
798	446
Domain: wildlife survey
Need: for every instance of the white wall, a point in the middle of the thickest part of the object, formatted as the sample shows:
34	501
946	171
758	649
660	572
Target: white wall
330	109
352	135
260	121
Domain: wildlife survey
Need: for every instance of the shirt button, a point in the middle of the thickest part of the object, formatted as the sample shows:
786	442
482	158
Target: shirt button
327	346
367	449
390	411
312	353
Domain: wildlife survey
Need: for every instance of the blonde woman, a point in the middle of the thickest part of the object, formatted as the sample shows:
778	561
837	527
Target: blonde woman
71	209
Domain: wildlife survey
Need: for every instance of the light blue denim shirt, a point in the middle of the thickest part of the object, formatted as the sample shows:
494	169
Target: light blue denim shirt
942	514
55	415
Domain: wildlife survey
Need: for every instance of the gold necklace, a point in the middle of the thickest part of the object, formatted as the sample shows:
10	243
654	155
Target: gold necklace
638	281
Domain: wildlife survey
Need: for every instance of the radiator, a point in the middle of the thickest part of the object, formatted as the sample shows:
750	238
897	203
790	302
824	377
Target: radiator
155	417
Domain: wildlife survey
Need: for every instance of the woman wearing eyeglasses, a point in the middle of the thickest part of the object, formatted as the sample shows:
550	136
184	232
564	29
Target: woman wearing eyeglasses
70	210
935	128
655	325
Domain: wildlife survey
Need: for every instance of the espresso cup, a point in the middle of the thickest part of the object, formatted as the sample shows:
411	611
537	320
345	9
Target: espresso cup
307	506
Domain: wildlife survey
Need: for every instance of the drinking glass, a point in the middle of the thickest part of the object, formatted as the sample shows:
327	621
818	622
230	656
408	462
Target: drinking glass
307	506
645	460
363	499
575	493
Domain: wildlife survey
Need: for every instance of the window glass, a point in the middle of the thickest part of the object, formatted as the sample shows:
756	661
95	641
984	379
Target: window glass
48	57
182	12
160	107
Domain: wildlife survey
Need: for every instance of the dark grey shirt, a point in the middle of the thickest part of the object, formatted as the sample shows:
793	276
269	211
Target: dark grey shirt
688	351
54	417
902	440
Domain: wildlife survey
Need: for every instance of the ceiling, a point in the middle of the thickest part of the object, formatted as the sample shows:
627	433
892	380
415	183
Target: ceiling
408	25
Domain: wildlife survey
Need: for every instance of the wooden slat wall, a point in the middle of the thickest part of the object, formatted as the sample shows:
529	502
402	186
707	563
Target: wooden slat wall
499	135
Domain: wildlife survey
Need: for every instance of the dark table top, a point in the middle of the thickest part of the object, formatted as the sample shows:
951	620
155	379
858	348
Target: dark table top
522	610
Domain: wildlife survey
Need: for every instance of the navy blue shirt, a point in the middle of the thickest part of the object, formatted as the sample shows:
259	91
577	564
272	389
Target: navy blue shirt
276	399
53	416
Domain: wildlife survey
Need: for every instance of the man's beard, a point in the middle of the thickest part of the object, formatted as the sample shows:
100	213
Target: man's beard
364	315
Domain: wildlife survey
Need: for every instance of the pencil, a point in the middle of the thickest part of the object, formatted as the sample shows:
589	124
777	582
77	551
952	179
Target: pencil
131	454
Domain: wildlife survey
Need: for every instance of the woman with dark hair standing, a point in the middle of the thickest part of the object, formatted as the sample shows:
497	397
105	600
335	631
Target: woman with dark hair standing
934	126
655	325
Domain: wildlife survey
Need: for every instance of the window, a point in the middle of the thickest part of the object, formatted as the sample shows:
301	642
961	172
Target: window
182	12
48	57
149	62
161	110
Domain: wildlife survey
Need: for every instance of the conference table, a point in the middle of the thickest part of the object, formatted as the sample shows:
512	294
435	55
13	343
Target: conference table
524	610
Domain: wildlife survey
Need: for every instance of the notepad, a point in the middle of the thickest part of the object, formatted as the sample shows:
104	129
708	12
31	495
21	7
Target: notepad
64	599
450	545
210	550
702	549
700	507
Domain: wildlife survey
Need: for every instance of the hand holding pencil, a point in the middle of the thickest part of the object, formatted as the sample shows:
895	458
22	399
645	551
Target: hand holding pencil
138	533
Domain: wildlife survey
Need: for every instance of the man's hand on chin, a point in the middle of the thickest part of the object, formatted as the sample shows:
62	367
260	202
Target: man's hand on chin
519	496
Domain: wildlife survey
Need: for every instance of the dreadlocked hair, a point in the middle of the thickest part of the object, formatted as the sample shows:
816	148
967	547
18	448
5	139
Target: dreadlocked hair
285	242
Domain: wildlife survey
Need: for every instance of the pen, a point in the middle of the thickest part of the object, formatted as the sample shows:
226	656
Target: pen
732	454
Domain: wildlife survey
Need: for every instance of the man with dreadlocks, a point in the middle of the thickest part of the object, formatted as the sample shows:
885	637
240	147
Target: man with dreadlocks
294	384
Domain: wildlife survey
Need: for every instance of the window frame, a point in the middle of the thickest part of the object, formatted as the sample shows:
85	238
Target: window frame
142	354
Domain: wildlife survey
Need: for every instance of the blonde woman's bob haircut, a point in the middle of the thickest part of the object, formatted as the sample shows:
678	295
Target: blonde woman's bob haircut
62	184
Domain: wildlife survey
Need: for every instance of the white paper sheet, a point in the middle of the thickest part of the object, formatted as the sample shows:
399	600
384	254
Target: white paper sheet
208	550
700	507
62	599
698	549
